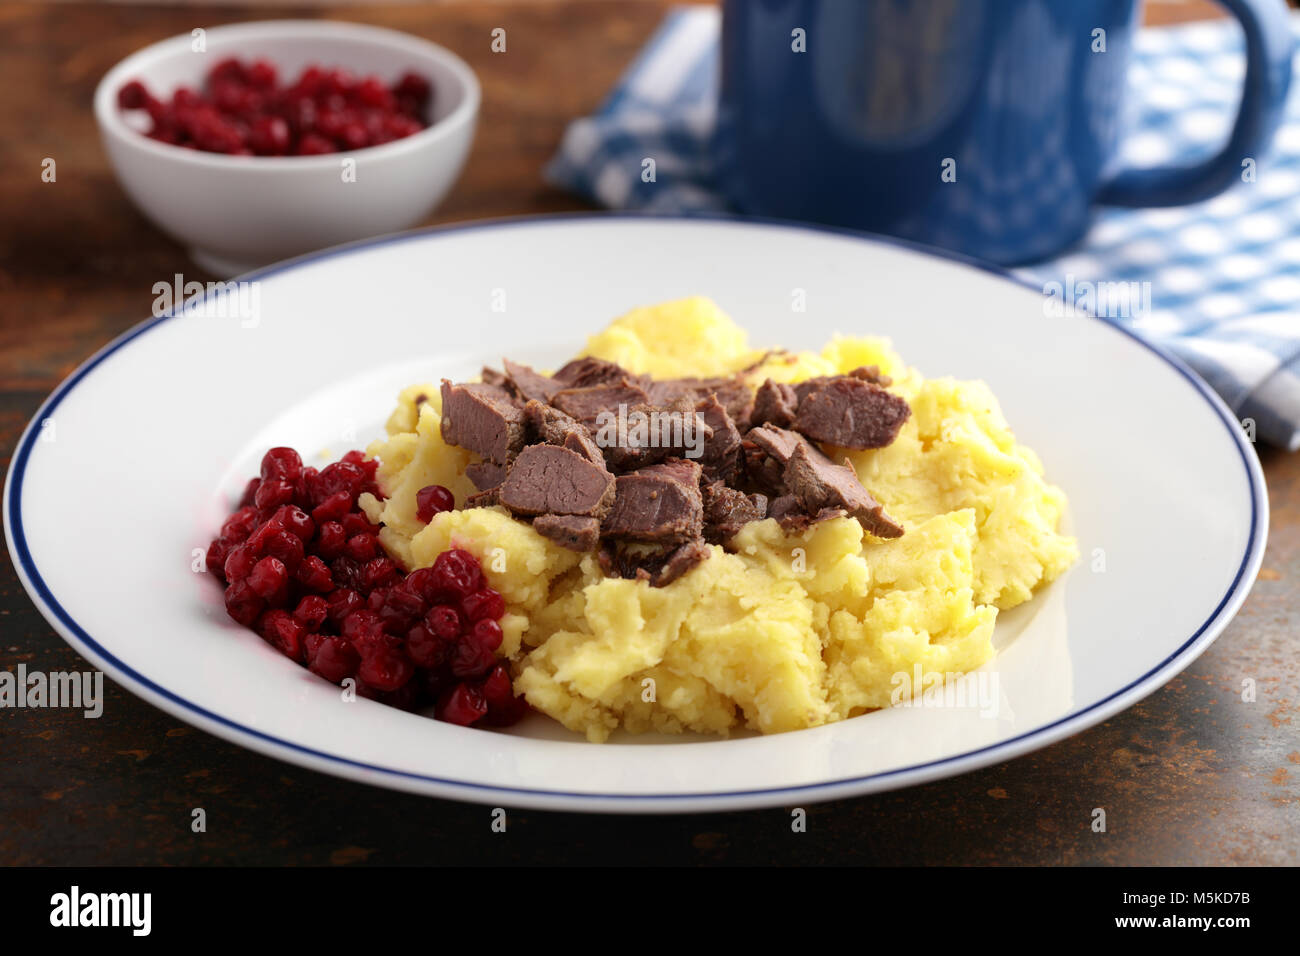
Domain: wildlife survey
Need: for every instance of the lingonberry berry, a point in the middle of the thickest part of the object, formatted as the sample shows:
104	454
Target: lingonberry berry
311	612
486	633
385	668
432	500
483	603
268	579
457	572
334	659
463	705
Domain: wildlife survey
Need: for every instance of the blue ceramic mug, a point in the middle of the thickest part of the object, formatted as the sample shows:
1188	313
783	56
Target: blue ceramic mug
986	126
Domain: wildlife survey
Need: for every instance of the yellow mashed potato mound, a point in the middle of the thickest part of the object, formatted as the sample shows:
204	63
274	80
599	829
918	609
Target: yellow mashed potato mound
781	632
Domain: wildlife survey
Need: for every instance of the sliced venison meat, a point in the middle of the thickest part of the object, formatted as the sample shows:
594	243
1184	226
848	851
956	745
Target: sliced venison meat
872	373
587	371
780	443
484	499
790	514
721	457
650	433
727	510
528	384
867	373
630	488
851	413
680	560
657	568
550	479
660	503
485	474
774	404
783	507
550	425
759	471
579	440
588	402
484	418
734	394
820	484
575	532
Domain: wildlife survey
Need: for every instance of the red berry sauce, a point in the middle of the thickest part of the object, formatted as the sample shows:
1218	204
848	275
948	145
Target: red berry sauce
243	110
303	567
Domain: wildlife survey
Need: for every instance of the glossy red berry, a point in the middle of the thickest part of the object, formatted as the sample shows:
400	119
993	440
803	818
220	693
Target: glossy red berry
268	578
463	705
311	612
471	659
432	500
343	602
497	688
333	507
425	648
457	573
296	521
281	464
486	633
334	659
445	622
240	525
485	603
270	136
133	96
273	493
314	575
242	604
385	669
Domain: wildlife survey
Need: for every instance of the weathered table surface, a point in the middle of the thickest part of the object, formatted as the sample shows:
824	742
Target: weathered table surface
1190	775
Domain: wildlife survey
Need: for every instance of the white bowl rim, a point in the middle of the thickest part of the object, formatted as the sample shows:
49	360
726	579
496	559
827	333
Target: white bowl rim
111	123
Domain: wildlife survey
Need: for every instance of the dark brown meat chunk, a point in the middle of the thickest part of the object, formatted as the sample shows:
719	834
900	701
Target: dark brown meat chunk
867	373
550	479
727	510
680	560
733	393
587	403
483	418
721	456
851	413
658	568
661	503
819	484
484	499
587	371
575	532
774	404
528	384
550	425
647	434
793	519
485	474
777	442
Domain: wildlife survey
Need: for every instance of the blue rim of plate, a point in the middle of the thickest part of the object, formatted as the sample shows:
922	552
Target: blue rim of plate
49	605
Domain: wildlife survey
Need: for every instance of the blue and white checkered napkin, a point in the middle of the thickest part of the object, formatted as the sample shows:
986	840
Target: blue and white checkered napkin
1224	274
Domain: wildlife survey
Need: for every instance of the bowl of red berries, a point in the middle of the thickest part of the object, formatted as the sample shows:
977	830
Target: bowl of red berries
256	142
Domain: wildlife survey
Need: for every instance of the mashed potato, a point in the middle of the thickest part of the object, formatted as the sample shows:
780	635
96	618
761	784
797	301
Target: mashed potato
789	631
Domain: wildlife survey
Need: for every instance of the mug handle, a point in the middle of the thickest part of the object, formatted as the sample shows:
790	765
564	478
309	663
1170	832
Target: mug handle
1269	48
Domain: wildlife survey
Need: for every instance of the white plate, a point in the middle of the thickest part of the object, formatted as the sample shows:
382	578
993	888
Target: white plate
133	461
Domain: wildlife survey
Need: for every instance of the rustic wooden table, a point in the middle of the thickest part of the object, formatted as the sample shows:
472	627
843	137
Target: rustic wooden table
1191	775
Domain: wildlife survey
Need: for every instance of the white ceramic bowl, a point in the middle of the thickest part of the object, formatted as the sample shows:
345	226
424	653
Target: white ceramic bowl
237	212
